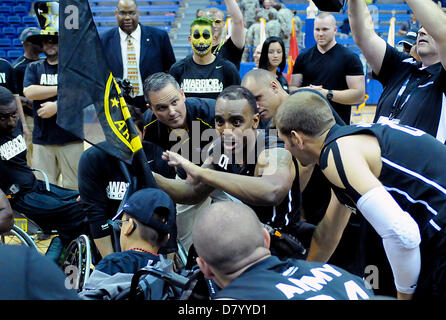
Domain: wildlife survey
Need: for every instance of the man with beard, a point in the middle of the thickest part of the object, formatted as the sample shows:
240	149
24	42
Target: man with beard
202	74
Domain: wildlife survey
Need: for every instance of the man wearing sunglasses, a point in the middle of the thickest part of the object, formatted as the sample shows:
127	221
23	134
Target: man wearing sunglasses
231	48
202	74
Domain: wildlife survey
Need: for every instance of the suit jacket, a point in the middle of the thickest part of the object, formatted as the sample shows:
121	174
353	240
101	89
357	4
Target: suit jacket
156	53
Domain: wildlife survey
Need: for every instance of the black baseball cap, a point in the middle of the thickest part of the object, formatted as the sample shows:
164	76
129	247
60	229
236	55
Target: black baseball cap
410	38
30	34
143	203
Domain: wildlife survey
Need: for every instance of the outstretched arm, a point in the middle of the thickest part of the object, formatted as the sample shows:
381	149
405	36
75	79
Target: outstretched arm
189	191
360	156
433	19
238	25
328	233
361	24
274	175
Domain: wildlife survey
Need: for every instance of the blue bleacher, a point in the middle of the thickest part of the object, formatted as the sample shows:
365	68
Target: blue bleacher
29	21
9	32
14	21
20	10
5	10
14	54
5	42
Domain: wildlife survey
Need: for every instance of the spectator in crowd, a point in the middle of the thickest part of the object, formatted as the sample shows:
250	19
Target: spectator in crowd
273	59
412	91
285	17
233	250
102	185
199	13
420	104
272	26
330	68
372	169
55	150
248	8
412	24
256	54
231	48
32	47
202	74
135	51
252	37
266	9
409	40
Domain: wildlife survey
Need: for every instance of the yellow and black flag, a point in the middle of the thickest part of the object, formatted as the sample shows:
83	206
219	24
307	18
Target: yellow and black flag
90	101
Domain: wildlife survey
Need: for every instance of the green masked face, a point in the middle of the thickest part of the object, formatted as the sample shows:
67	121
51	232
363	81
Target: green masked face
201	39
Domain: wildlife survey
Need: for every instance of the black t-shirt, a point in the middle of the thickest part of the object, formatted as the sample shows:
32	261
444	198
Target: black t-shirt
46	131
230	52
7	76
425	108
274	279
19	66
13	164
200	113
102	185
329	70
204	81
128	261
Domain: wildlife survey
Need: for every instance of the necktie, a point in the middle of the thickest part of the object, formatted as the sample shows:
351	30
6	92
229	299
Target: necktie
132	67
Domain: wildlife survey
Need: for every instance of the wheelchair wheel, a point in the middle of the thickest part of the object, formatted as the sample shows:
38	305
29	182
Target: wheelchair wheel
17	236
77	257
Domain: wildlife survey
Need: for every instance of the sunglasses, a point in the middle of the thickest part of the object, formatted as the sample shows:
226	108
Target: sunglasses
217	21
6	116
206	35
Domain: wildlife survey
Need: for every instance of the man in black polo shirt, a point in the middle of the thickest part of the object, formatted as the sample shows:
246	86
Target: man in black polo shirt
177	123
414	91
330	68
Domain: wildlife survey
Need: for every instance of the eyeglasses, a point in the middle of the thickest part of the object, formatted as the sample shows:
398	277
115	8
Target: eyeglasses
124	13
117	224
6	116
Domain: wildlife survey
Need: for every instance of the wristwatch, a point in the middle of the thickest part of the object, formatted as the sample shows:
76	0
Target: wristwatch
330	95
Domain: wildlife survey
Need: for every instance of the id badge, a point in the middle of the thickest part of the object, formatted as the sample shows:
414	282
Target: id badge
385	120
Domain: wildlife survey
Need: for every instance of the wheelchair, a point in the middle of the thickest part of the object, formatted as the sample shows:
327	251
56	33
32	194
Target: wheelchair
77	255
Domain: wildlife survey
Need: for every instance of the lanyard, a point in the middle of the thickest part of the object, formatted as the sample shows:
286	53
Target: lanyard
399	103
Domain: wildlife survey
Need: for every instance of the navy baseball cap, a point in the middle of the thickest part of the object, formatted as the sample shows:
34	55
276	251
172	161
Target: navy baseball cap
410	38
143	203
28	33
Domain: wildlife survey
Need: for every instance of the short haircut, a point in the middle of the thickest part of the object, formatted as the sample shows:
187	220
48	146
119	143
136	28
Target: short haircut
158	81
214	10
323	15
149	234
307	111
260	76
264	61
6	96
201	22
236	92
